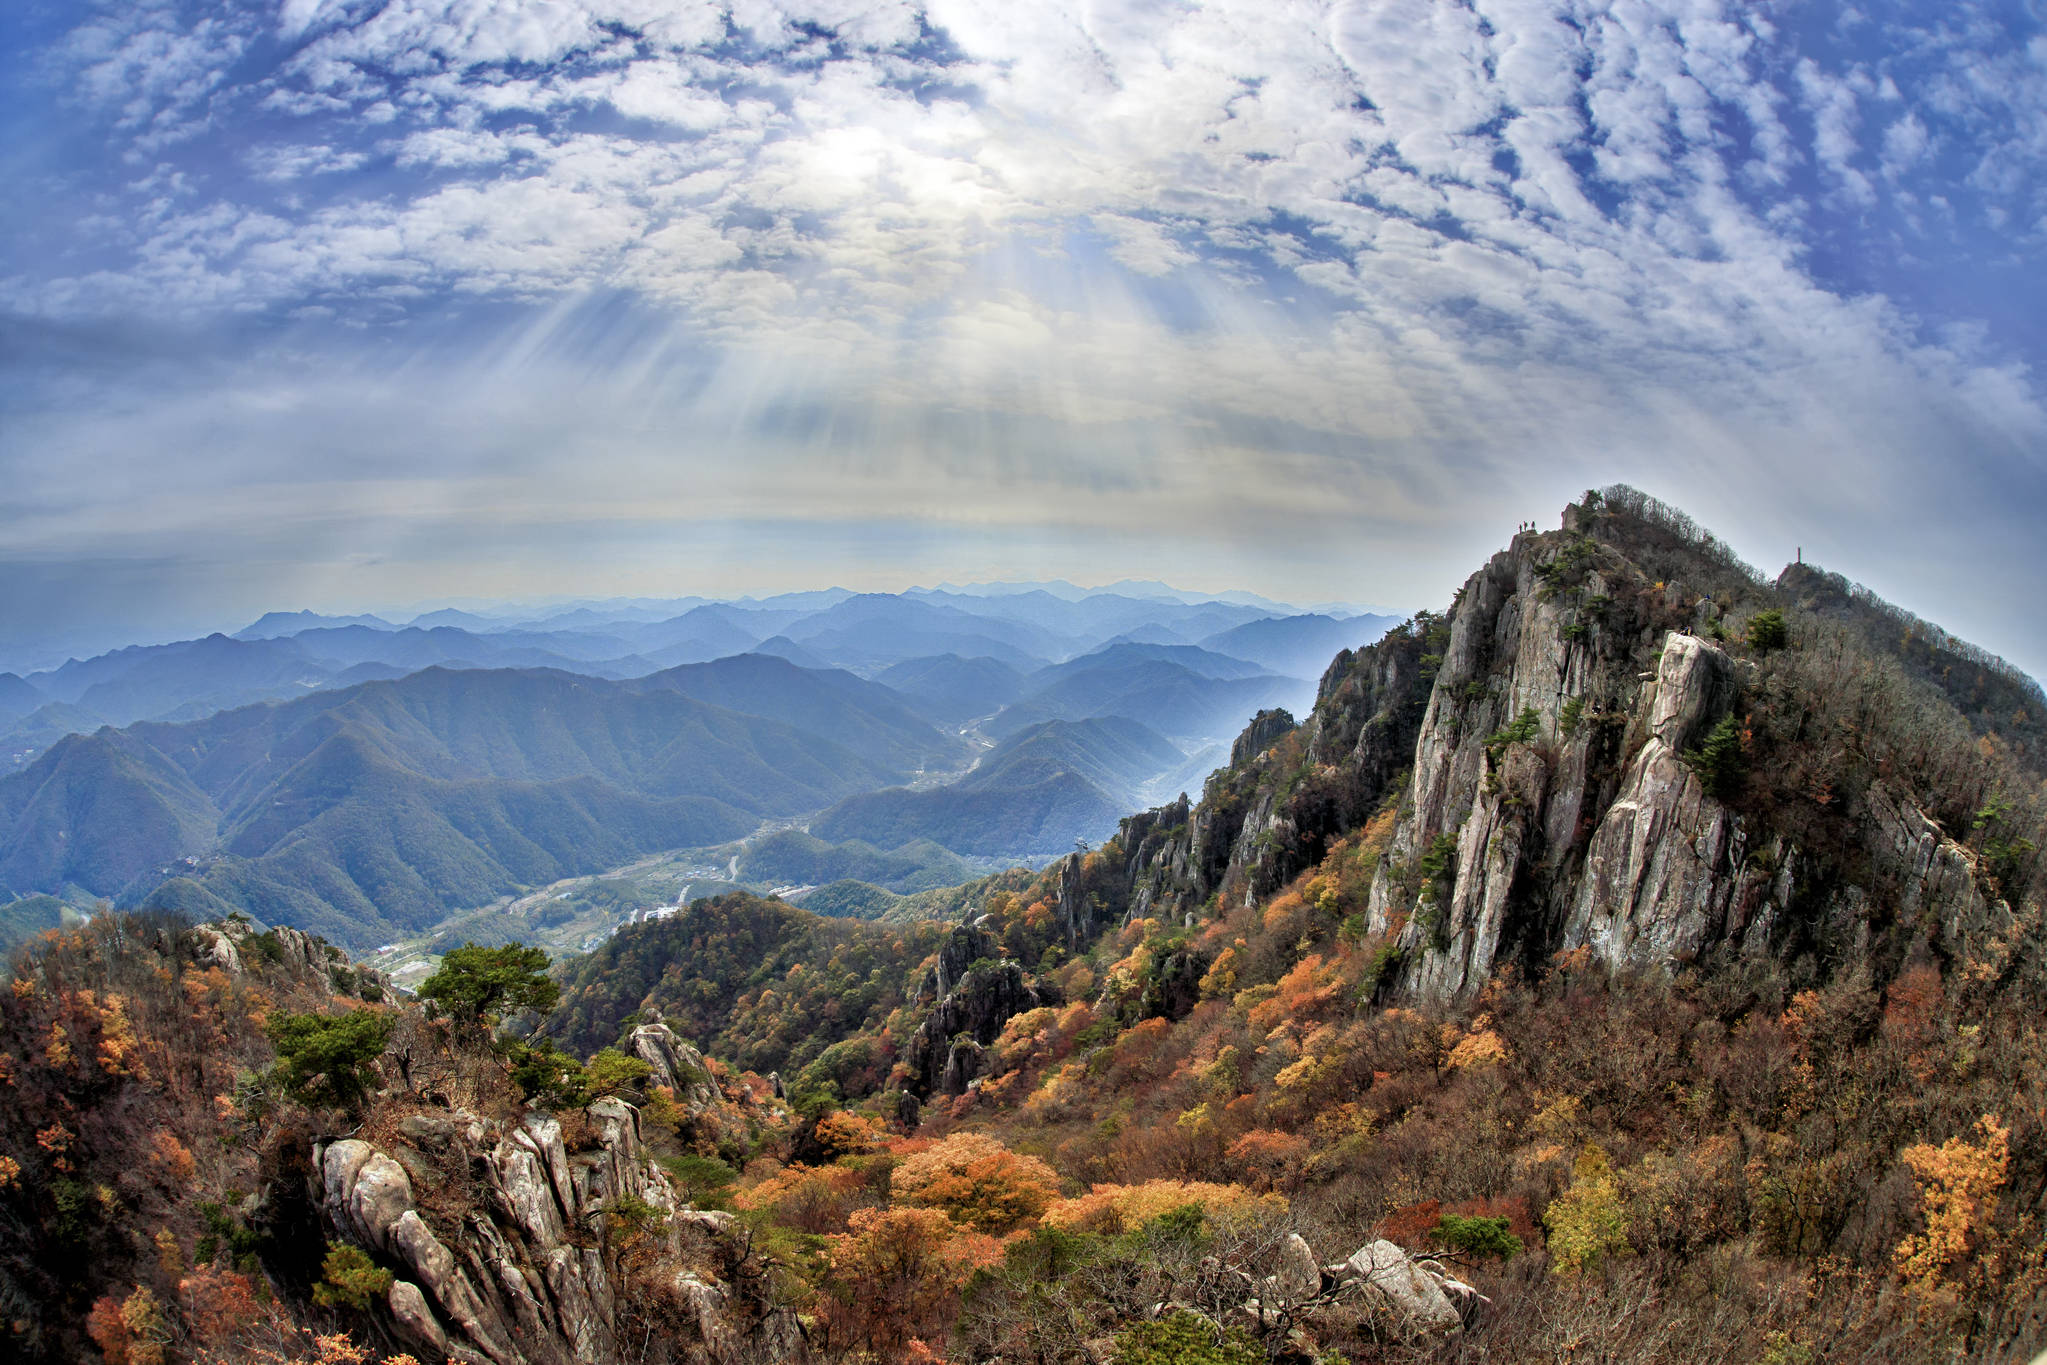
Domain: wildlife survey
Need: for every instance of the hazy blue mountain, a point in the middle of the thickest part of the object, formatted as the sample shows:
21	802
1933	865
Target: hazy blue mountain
1086	622
460	620
714	626
28	737
866	717
874	630
703	632
953	690
374	670
1135	587
1113	753
415	647
18	697
782	647
813	600
1153	634
1035	793
621	615
1298	646
276	624
366	811
1017	822
153	680
1171	698
1206	663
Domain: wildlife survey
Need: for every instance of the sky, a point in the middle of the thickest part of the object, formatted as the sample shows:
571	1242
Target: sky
340	303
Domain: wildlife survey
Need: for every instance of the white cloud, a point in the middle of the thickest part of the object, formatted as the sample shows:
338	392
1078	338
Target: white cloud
1509	236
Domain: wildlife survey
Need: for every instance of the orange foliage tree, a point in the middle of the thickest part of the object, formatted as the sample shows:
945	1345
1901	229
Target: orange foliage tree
896	1275
977	1181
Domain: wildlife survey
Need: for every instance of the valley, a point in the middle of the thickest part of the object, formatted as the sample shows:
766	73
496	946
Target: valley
575	915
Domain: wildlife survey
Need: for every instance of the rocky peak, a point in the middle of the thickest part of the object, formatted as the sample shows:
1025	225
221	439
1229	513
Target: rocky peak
1554	804
236	946
975	992
963	947
1542	733
676	1065
1266	729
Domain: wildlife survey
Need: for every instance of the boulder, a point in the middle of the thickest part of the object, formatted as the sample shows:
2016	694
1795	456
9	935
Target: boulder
366	1191
1297	1277
1388	1277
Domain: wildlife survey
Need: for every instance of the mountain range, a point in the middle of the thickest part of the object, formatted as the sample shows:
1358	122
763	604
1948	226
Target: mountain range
366	778
1640	952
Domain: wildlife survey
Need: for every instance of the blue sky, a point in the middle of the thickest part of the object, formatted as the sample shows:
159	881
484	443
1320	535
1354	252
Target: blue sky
348	302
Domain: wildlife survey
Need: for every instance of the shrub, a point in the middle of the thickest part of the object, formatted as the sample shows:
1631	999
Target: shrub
1720	762
703	1181
1477	1236
1766	631
1116	1208
329	1059
349	1279
1183	1338
611	1072
1959	1182
1585	1223
1525	728
546	1076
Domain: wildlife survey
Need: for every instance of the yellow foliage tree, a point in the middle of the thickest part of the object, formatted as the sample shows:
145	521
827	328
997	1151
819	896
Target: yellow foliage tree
844	1133
1114	1208
1958	1186
1585	1222
897	1273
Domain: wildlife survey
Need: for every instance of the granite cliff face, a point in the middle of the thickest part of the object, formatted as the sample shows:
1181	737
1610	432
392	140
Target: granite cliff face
1553	806
537	1241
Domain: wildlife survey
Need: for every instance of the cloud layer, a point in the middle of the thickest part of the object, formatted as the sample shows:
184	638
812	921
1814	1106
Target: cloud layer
1321	297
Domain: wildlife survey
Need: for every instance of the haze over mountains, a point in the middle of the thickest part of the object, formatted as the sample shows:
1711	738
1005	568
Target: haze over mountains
367	777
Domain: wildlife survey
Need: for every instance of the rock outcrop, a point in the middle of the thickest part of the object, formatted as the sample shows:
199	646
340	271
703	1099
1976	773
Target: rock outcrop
676	1065
1404	1298
975	994
233	945
1409	1293
503	1240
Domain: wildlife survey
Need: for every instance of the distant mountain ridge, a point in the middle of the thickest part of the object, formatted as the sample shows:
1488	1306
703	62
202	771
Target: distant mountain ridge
375	809
287	654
